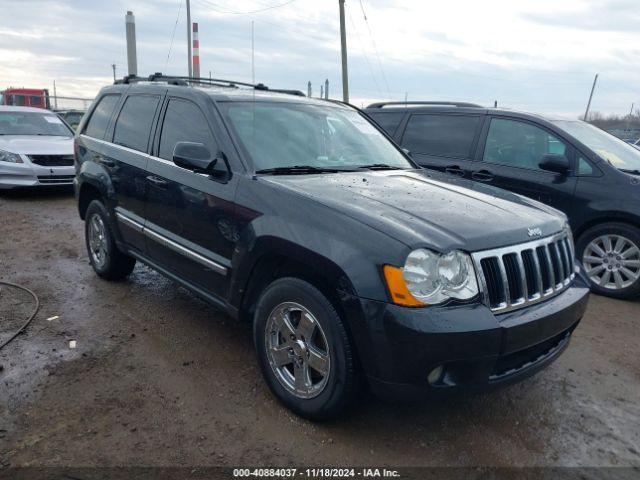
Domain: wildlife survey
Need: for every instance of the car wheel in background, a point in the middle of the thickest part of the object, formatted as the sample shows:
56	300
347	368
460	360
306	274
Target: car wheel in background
610	254
104	256
304	350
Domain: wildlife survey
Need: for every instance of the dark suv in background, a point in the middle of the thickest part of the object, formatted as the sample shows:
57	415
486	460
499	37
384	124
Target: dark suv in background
575	167
300	216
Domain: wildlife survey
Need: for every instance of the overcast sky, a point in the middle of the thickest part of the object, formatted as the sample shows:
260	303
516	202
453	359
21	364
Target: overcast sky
537	55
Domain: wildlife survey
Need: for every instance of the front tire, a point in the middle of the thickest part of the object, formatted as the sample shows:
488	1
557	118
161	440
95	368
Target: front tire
105	258
304	350
610	254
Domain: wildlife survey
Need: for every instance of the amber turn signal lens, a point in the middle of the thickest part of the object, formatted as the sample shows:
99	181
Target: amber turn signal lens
398	288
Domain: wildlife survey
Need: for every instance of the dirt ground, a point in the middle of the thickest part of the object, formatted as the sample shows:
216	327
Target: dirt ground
160	378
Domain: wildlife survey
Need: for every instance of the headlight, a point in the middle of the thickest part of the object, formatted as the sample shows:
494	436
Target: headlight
429	278
9	157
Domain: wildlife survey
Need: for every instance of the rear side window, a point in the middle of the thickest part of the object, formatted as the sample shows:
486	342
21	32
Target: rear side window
388	121
97	125
184	122
441	135
134	122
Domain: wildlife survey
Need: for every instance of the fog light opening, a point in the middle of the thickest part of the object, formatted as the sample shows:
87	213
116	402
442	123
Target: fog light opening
435	375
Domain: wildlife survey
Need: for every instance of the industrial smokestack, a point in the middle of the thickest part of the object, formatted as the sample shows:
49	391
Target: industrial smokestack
132	56
196	51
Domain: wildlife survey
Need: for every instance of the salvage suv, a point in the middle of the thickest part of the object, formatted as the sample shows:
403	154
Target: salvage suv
302	217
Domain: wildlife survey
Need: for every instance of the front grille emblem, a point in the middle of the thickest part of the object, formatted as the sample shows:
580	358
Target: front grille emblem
534	232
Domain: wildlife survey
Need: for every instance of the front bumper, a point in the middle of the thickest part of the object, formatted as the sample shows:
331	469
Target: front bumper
27	174
477	349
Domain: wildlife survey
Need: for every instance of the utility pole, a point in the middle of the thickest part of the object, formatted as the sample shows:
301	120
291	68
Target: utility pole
326	89
132	56
309	89
343	41
113	66
55	96
189	38
593	87
321	91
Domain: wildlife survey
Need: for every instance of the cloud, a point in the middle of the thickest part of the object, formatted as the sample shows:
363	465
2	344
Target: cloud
532	55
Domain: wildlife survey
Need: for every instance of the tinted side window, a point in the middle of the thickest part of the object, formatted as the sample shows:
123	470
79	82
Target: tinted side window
388	121
184	122
134	122
441	135
584	167
97	125
519	144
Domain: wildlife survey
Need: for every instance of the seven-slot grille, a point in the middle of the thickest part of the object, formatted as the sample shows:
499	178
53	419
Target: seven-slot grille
516	276
52	160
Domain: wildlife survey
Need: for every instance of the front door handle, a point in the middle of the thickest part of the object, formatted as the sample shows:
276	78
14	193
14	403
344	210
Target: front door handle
158	182
482	176
107	162
454	170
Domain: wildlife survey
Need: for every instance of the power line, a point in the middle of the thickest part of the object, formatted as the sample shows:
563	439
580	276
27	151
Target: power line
173	34
222	9
375	47
364	53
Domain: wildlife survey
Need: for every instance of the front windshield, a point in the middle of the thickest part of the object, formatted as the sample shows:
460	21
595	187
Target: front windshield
618	153
282	135
33	123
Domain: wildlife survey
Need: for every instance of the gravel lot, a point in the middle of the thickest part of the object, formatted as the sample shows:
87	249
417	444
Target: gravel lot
161	378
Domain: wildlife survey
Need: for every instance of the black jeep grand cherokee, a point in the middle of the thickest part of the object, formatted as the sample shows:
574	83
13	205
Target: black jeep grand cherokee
301	216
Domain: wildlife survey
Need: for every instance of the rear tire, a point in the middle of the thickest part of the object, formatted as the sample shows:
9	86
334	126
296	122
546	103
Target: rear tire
303	350
104	256
610	254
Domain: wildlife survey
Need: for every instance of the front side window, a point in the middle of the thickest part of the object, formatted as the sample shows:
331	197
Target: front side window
184	122
611	149
519	144
283	135
441	135
33	123
133	126
97	125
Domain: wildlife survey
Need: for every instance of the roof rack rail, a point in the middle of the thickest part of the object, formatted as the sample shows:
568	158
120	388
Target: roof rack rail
217	82
433	103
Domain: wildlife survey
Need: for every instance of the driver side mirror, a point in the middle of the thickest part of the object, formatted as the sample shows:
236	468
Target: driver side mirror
553	162
193	156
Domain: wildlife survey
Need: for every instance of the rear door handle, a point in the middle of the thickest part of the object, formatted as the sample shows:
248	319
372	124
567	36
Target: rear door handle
454	170
158	182
482	176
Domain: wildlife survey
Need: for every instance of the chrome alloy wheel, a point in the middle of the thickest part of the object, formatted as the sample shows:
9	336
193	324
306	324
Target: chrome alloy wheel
612	261
297	350
97	240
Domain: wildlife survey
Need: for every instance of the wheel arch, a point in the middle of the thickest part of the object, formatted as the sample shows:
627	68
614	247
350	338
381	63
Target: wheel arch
288	259
606	217
87	193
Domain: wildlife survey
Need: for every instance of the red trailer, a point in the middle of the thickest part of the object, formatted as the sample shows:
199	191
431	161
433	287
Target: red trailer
26	97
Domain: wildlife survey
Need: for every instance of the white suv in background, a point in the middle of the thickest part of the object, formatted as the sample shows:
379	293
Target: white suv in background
36	148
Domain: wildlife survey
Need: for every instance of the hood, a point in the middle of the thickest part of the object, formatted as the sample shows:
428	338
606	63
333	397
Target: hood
37	144
421	209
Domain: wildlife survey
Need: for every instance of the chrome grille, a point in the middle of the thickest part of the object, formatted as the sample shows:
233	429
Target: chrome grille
519	275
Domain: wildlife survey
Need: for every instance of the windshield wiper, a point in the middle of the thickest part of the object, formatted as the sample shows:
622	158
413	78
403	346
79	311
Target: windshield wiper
298	169
632	172
378	166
